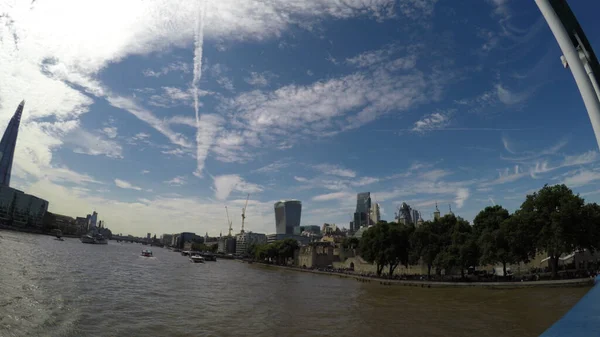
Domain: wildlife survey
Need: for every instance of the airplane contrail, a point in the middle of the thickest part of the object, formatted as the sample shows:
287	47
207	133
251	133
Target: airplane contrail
202	129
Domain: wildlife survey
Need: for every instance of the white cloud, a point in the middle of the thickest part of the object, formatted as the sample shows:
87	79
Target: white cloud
333	196
161	126
225	184
434	121
85	142
207	127
364	181
582	178
175	152
126	185
529	155
171	97
369	58
417	9
324	107
581	159
110	132
218	72
177	181
509	97
335	170
507	146
172	67
259	79
500	8
152	213
145	172
273	167
434	175
300	179
507	176
462	194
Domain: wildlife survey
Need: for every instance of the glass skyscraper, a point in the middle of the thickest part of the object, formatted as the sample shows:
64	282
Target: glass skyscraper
287	216
7	145
363	211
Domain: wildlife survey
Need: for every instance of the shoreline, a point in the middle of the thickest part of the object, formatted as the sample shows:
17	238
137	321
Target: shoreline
33	231
580	282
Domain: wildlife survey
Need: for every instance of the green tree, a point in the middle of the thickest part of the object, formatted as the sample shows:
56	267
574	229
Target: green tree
457	244
464	242
557	219
373	243
287	248
425	244
493	230
386	244
260	252
351	243
398	249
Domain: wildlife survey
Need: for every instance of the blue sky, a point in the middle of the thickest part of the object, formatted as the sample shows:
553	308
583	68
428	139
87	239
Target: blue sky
419	101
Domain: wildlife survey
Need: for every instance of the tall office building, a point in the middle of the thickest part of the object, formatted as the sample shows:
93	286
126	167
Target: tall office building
93	219
7	145
363	210
287	216
375	214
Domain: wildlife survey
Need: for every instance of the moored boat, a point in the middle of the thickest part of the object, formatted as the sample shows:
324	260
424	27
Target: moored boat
197	259
209	256
94	238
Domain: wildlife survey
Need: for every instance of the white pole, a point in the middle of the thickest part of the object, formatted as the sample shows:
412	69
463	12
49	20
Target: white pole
572	56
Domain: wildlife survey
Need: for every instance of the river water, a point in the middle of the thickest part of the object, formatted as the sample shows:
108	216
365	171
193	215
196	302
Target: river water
54	288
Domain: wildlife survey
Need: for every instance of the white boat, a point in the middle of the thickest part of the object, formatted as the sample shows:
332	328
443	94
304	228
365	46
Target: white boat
197	259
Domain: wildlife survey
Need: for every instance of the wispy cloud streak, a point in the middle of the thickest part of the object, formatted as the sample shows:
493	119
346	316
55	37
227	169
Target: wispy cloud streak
201	148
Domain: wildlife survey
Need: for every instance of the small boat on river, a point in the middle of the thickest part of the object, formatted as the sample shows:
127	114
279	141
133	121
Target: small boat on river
94	237
147	253
197	259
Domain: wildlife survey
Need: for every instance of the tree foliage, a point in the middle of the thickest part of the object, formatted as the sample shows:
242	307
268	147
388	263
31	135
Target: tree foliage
386	244
493	227
425	242
279	251
555	220
552	221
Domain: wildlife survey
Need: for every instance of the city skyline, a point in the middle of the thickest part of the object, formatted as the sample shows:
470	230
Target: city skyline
426	102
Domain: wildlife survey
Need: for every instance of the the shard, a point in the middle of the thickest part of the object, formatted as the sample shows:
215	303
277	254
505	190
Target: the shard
7	145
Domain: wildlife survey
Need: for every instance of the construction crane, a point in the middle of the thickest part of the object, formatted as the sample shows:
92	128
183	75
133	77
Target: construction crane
228	221
244	212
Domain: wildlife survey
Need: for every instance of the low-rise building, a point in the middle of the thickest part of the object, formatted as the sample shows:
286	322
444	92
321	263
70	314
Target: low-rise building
317	255
20	209
188	237
166	239
226	245
64	223
244	241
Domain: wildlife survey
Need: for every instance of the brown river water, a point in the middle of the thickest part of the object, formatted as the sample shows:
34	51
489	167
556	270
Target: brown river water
54	288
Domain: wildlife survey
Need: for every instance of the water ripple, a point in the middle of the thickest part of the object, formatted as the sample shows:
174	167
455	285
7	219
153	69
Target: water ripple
53	288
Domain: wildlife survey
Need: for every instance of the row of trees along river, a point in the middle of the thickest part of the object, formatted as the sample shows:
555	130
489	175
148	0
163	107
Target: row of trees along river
551	221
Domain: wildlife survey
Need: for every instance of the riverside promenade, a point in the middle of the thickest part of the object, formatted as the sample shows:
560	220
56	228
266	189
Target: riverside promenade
439	284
